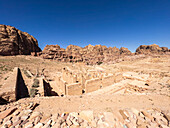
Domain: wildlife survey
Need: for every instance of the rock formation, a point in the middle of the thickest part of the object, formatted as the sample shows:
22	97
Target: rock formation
16	42
151	49
89	54
125	51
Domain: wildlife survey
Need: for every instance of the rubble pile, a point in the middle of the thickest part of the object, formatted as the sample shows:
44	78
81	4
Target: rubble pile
18	115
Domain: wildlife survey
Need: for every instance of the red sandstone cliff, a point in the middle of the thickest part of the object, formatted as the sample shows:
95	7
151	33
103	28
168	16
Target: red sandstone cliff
151	49
89	54
96	54
16	42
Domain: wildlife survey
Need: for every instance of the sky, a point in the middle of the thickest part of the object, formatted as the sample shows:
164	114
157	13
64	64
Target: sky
120	23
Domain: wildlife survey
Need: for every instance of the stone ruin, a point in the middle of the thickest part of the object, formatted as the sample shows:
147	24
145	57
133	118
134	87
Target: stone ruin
14	89
77	82
16	86
70	81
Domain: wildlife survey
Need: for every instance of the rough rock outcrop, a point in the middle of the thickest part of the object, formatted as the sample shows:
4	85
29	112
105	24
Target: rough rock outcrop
125	51
16	42
151	49
96	54
89	54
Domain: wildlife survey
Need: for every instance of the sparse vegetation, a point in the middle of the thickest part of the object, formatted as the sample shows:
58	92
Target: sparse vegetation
108	109
35	83
5	68
26	73
99	63
33	92
6	78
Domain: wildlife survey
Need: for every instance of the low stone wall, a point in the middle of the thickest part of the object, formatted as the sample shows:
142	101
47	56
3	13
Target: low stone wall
108	80
21	91
92	85
74	89
62	85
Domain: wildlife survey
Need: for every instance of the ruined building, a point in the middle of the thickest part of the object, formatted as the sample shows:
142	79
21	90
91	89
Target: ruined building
77	82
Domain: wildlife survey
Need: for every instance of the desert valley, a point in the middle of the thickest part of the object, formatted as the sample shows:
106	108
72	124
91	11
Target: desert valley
86	87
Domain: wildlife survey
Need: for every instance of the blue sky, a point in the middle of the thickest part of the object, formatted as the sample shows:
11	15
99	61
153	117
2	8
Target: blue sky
127	23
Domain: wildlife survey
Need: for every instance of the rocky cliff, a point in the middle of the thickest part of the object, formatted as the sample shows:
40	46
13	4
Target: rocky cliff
151	49
16	42
89	54
96	54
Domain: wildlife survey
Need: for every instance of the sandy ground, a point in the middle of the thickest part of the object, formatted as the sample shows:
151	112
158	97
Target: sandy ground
99	103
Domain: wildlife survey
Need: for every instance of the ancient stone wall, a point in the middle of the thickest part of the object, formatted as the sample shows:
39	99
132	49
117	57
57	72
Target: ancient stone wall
92	85
14	87
76	81
47	88
74	89
21	90
62	85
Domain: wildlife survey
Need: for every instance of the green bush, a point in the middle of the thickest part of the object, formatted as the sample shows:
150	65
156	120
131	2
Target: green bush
26	73
99	63
33	92
35	83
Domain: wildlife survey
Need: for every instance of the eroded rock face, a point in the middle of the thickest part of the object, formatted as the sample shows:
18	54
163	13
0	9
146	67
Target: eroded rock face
89	54
125	51
16	42
151	49
96	54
